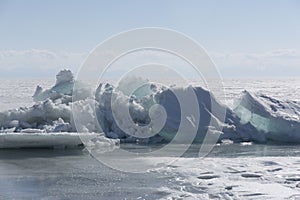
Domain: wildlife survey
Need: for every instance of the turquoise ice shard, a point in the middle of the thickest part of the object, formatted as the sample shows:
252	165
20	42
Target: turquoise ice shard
277	120
64	85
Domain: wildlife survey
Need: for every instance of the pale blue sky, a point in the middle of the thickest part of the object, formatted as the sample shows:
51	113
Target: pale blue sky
242	36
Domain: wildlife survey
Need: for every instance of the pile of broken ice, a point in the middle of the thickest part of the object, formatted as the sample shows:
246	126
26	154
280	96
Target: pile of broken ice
256	118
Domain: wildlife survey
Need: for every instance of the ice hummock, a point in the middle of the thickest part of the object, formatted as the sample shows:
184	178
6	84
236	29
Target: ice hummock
225	127
51	111
63	86
256	118
112	103
277	120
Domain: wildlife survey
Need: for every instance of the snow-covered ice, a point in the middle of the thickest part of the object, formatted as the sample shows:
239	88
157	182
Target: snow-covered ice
134	117
278	120
233	178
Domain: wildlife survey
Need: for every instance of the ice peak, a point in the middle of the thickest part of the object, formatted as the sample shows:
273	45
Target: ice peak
64	76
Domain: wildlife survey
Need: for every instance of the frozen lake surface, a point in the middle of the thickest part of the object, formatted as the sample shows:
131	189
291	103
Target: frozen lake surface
229	172
69	174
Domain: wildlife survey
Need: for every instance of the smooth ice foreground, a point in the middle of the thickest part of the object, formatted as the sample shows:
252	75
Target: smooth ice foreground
256	118
229	172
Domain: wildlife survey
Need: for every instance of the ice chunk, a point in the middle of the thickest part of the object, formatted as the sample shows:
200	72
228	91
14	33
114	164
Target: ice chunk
112	112
135	86
278	120
209	122
63	88
101	144
64	76
34	138
32	130
38	116
113	104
